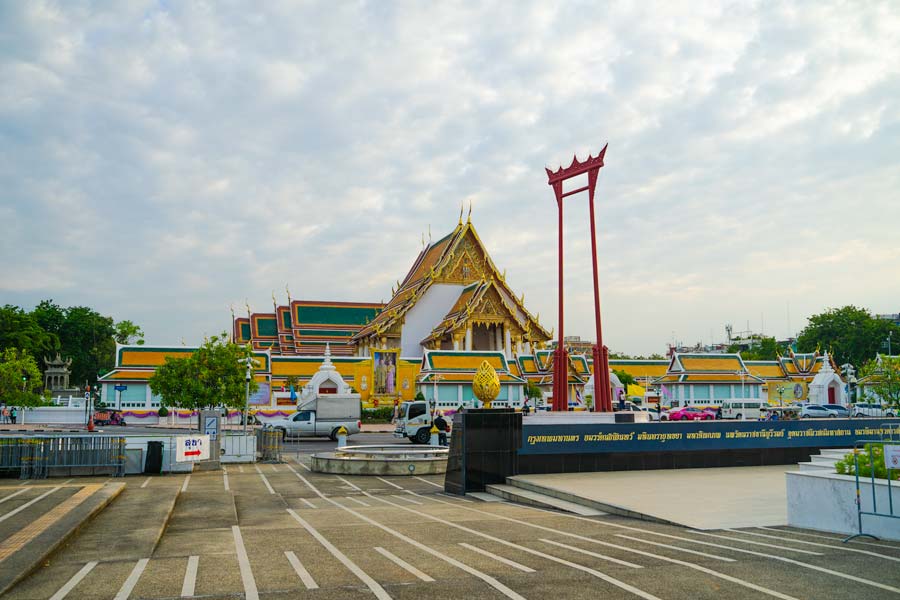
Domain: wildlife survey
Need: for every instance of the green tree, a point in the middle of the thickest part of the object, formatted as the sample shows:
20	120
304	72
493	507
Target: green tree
883	379
19	329
20	379
87	337
213	376
851	334
129	333
532	391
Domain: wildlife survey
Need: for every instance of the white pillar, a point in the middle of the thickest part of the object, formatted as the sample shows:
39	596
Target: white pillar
507	342
469	337
497	339
455	343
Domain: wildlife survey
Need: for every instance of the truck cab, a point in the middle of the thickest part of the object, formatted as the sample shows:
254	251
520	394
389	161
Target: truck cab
320	418
414	422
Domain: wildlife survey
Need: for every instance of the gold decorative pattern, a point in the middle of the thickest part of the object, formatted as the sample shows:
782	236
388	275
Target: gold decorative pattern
486	383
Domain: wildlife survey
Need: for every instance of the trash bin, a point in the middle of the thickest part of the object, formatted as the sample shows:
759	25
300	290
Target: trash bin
154	461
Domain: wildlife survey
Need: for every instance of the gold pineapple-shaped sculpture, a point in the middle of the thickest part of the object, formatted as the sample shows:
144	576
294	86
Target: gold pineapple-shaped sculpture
486	384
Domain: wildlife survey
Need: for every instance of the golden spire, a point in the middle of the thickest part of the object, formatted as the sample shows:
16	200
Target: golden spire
288	291
429	233
469	217
461	206
247	304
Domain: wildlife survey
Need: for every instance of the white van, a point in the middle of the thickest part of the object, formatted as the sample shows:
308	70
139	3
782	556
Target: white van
743	410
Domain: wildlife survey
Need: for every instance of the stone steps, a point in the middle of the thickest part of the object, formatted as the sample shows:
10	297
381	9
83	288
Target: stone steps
531	498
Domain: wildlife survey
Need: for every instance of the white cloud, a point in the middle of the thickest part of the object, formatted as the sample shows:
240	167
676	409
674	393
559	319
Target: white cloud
165	160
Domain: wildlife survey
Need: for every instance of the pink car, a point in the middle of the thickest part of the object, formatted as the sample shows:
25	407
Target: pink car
688	413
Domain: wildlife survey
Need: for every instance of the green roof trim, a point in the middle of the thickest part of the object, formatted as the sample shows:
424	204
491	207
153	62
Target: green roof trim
335	315
286	319
245	331
325	332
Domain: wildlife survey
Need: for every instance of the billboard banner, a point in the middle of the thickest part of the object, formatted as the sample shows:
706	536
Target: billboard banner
578	438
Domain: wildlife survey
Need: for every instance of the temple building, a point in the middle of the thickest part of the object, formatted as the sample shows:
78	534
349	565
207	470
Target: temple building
451	311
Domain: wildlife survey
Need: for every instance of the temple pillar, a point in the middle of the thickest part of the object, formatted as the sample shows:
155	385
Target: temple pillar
498	344
507	343
468	338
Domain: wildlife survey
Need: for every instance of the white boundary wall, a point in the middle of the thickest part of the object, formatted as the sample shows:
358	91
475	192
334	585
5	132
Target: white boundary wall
826	501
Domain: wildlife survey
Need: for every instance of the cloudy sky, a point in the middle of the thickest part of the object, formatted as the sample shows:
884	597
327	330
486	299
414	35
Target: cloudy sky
163	160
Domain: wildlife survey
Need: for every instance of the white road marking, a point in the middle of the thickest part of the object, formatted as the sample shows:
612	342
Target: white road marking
16	511
373	585
734	539
500	559
190	577
265	481
13	495
695	552
184	485
225	481
688	565
483	576
297	460
250	591
224	469
307	502
301	571
352	485
857	550
780	558
833	538
76	578
389	483
405	499
68	481
29	482
594	572
437	485
146	482
402	563
351	498
624	563
240	468
128	586
275	469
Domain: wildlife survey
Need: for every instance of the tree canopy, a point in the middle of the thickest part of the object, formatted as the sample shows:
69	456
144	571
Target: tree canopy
20	379
212	376
883	379
849	333
77	332
763	348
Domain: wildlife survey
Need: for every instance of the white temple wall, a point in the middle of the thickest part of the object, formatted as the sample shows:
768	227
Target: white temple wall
425	314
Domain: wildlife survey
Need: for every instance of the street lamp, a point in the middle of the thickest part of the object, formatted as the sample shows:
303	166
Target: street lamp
780	389
743	403
434	394
888	342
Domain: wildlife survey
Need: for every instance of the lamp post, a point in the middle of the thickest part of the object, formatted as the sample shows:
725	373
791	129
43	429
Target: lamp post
780	390
743	400
434	394
888	342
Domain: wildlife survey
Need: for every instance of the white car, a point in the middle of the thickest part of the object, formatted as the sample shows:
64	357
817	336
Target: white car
864	409
814	411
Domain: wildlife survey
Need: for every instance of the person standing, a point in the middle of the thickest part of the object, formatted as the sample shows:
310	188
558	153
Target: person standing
13	413
441	423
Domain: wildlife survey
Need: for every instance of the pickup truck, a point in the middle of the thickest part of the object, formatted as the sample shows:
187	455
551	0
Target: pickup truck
320	418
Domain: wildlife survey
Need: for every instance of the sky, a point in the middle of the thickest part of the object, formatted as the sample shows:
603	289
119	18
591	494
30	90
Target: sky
164	160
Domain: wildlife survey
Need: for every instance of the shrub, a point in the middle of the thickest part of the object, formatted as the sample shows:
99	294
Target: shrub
163	411
381	414
847	466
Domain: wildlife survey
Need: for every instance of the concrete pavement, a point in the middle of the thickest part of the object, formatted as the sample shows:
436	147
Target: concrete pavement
280	531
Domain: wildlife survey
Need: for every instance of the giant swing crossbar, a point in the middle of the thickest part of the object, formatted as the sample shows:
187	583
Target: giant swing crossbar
602	394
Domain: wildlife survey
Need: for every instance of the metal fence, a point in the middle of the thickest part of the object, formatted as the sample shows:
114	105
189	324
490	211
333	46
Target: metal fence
890	435
37	457
269	444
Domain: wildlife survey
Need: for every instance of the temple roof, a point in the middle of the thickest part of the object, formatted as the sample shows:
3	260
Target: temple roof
710	367
460	258
453	366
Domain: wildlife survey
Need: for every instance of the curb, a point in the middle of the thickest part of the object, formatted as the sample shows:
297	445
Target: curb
165	524
113	489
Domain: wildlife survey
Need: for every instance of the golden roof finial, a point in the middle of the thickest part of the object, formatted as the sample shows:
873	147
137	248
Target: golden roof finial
429	233
423	240
469	217
288	292
461	206
247	304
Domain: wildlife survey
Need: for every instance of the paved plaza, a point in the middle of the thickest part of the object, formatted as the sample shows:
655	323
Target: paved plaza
281	531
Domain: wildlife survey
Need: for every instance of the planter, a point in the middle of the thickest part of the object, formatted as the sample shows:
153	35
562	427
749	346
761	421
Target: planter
826	501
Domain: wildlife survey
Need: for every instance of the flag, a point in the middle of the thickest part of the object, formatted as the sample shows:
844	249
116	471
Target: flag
293	394
578	397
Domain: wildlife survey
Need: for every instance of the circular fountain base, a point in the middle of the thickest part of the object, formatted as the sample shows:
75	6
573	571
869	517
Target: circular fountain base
382	460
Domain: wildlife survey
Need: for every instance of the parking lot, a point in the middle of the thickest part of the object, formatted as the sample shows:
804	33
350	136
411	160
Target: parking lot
281	531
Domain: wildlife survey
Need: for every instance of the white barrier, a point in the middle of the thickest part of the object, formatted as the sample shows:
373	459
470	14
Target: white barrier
826	501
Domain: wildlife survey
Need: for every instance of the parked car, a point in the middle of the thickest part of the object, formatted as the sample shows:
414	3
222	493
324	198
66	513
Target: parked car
688	413
109	416
743	409
815	411
838	410
632	407
866	409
